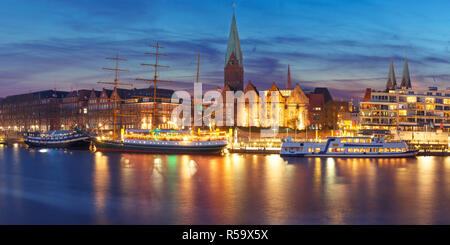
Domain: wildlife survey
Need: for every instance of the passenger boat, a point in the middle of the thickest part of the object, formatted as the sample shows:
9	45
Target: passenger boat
58	139
165	142
347	147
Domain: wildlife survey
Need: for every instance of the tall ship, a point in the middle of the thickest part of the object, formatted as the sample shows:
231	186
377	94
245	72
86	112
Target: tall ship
365	147
58	139
156	140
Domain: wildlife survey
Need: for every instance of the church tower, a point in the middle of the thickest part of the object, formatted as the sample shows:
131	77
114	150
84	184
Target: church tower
288	83
234	67
391	82
406	80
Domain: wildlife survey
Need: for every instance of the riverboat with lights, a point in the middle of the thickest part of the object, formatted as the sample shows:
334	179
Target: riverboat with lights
58	139
365	147
165	142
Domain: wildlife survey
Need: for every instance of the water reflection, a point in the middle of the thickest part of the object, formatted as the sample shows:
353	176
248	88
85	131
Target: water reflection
113	188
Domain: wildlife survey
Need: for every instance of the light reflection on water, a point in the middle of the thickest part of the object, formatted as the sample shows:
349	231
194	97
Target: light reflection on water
79	187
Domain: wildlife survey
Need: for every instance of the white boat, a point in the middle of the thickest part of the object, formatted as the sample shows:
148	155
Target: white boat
347	147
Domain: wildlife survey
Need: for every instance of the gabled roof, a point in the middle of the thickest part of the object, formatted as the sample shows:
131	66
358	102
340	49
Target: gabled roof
298	96
234	45
406	80
274	87
249	87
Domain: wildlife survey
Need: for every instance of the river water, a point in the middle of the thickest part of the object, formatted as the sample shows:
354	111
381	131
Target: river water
80	187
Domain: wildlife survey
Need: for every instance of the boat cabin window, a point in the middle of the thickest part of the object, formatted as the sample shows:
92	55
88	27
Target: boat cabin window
310	149
331	150
368	140
349	140
344	140
362	140
386	149
317	149
349	149
381	150
356	150
356	140
403	149
374	150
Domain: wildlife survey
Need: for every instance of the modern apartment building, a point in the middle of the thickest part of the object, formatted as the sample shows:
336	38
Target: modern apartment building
404	108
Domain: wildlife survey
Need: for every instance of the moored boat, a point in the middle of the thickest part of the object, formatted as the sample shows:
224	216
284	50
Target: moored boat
347	147
164	142
58	139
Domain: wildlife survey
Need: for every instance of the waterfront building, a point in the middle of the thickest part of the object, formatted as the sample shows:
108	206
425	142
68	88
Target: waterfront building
316	110
88	109
32	111
74	109
404	108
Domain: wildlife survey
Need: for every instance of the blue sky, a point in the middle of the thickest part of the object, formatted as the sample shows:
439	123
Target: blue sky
345	45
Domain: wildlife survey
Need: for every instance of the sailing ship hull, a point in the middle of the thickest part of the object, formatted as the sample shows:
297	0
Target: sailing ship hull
78	143
161	148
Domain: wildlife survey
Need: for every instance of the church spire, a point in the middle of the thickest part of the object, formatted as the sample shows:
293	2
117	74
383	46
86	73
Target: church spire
288	83
391	82
234	46
406	80
234	68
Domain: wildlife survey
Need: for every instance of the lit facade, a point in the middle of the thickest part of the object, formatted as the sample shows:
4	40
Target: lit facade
400	107
406	109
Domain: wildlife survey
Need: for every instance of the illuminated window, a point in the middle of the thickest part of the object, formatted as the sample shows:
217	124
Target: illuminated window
349	140
356	140
367	149
350	149
363	150
344	140
402	112
362	140
399	150
429	100
381	150
317	149
310	149
356	149
403	149
386	149
374	150
331	150
411	99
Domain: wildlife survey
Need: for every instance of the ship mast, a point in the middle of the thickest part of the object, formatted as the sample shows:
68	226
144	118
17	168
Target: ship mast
115	83
155	79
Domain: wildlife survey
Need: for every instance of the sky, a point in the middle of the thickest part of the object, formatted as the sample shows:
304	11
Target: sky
345	45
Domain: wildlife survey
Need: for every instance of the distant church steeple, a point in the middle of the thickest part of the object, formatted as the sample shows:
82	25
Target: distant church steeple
391	82
406	80
288	82
234	67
